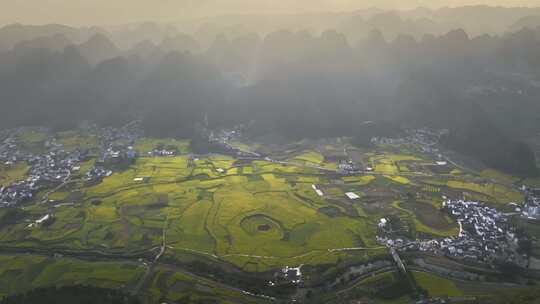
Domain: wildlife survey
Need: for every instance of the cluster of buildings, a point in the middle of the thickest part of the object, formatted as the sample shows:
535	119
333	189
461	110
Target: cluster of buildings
404	244
220	142
426	136
426	139
126	134
432	301
116	148
115	154
16	193
9	152
348	167
387	141
49	168
485	236
225	135
162	153
97	173
116	144
531	208
423	137
287	275
56	165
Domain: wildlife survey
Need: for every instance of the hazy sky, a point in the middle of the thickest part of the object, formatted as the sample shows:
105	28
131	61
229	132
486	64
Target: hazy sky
81	12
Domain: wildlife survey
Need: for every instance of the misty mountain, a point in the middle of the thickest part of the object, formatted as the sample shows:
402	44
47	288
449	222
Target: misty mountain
531	22
56	42
285	154
404	68
98	48
145	49
288	83
12	34
128	35
180	43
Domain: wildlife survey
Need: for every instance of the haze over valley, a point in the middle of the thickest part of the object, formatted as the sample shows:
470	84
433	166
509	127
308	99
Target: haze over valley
235	152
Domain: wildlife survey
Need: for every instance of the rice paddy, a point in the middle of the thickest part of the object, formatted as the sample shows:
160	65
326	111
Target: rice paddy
254	215
12	173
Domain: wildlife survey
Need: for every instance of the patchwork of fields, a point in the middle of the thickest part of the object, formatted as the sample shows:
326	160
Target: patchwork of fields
268	217
254	215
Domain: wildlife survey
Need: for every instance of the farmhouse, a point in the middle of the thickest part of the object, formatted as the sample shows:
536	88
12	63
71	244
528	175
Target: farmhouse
318	191
43	219
352	195
292	274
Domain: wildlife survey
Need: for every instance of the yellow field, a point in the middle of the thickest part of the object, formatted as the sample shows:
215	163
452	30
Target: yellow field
32	137
436	286
387	163
499	176
11	174
311	157
255	218
499	193
398	179
359	180
72	140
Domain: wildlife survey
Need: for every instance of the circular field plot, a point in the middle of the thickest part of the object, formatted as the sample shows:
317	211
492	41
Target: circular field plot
330	211
260	225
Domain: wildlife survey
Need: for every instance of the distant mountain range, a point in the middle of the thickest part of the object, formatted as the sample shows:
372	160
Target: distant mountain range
356	25
293	83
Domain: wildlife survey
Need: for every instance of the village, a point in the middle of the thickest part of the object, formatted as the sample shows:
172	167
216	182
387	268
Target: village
48	169
485	236
56	165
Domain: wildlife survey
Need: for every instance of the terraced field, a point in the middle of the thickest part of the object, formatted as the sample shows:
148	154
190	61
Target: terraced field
248	216
495	192
247	213
259	213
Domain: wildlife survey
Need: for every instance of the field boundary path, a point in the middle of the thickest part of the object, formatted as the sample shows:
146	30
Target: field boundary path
151	265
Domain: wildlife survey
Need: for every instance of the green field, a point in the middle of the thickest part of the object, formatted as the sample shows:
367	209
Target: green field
13	173
32	141
388	163
498	193
258	213
398	179
269	217
251	216
72	140
177	286
435	285
23	272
